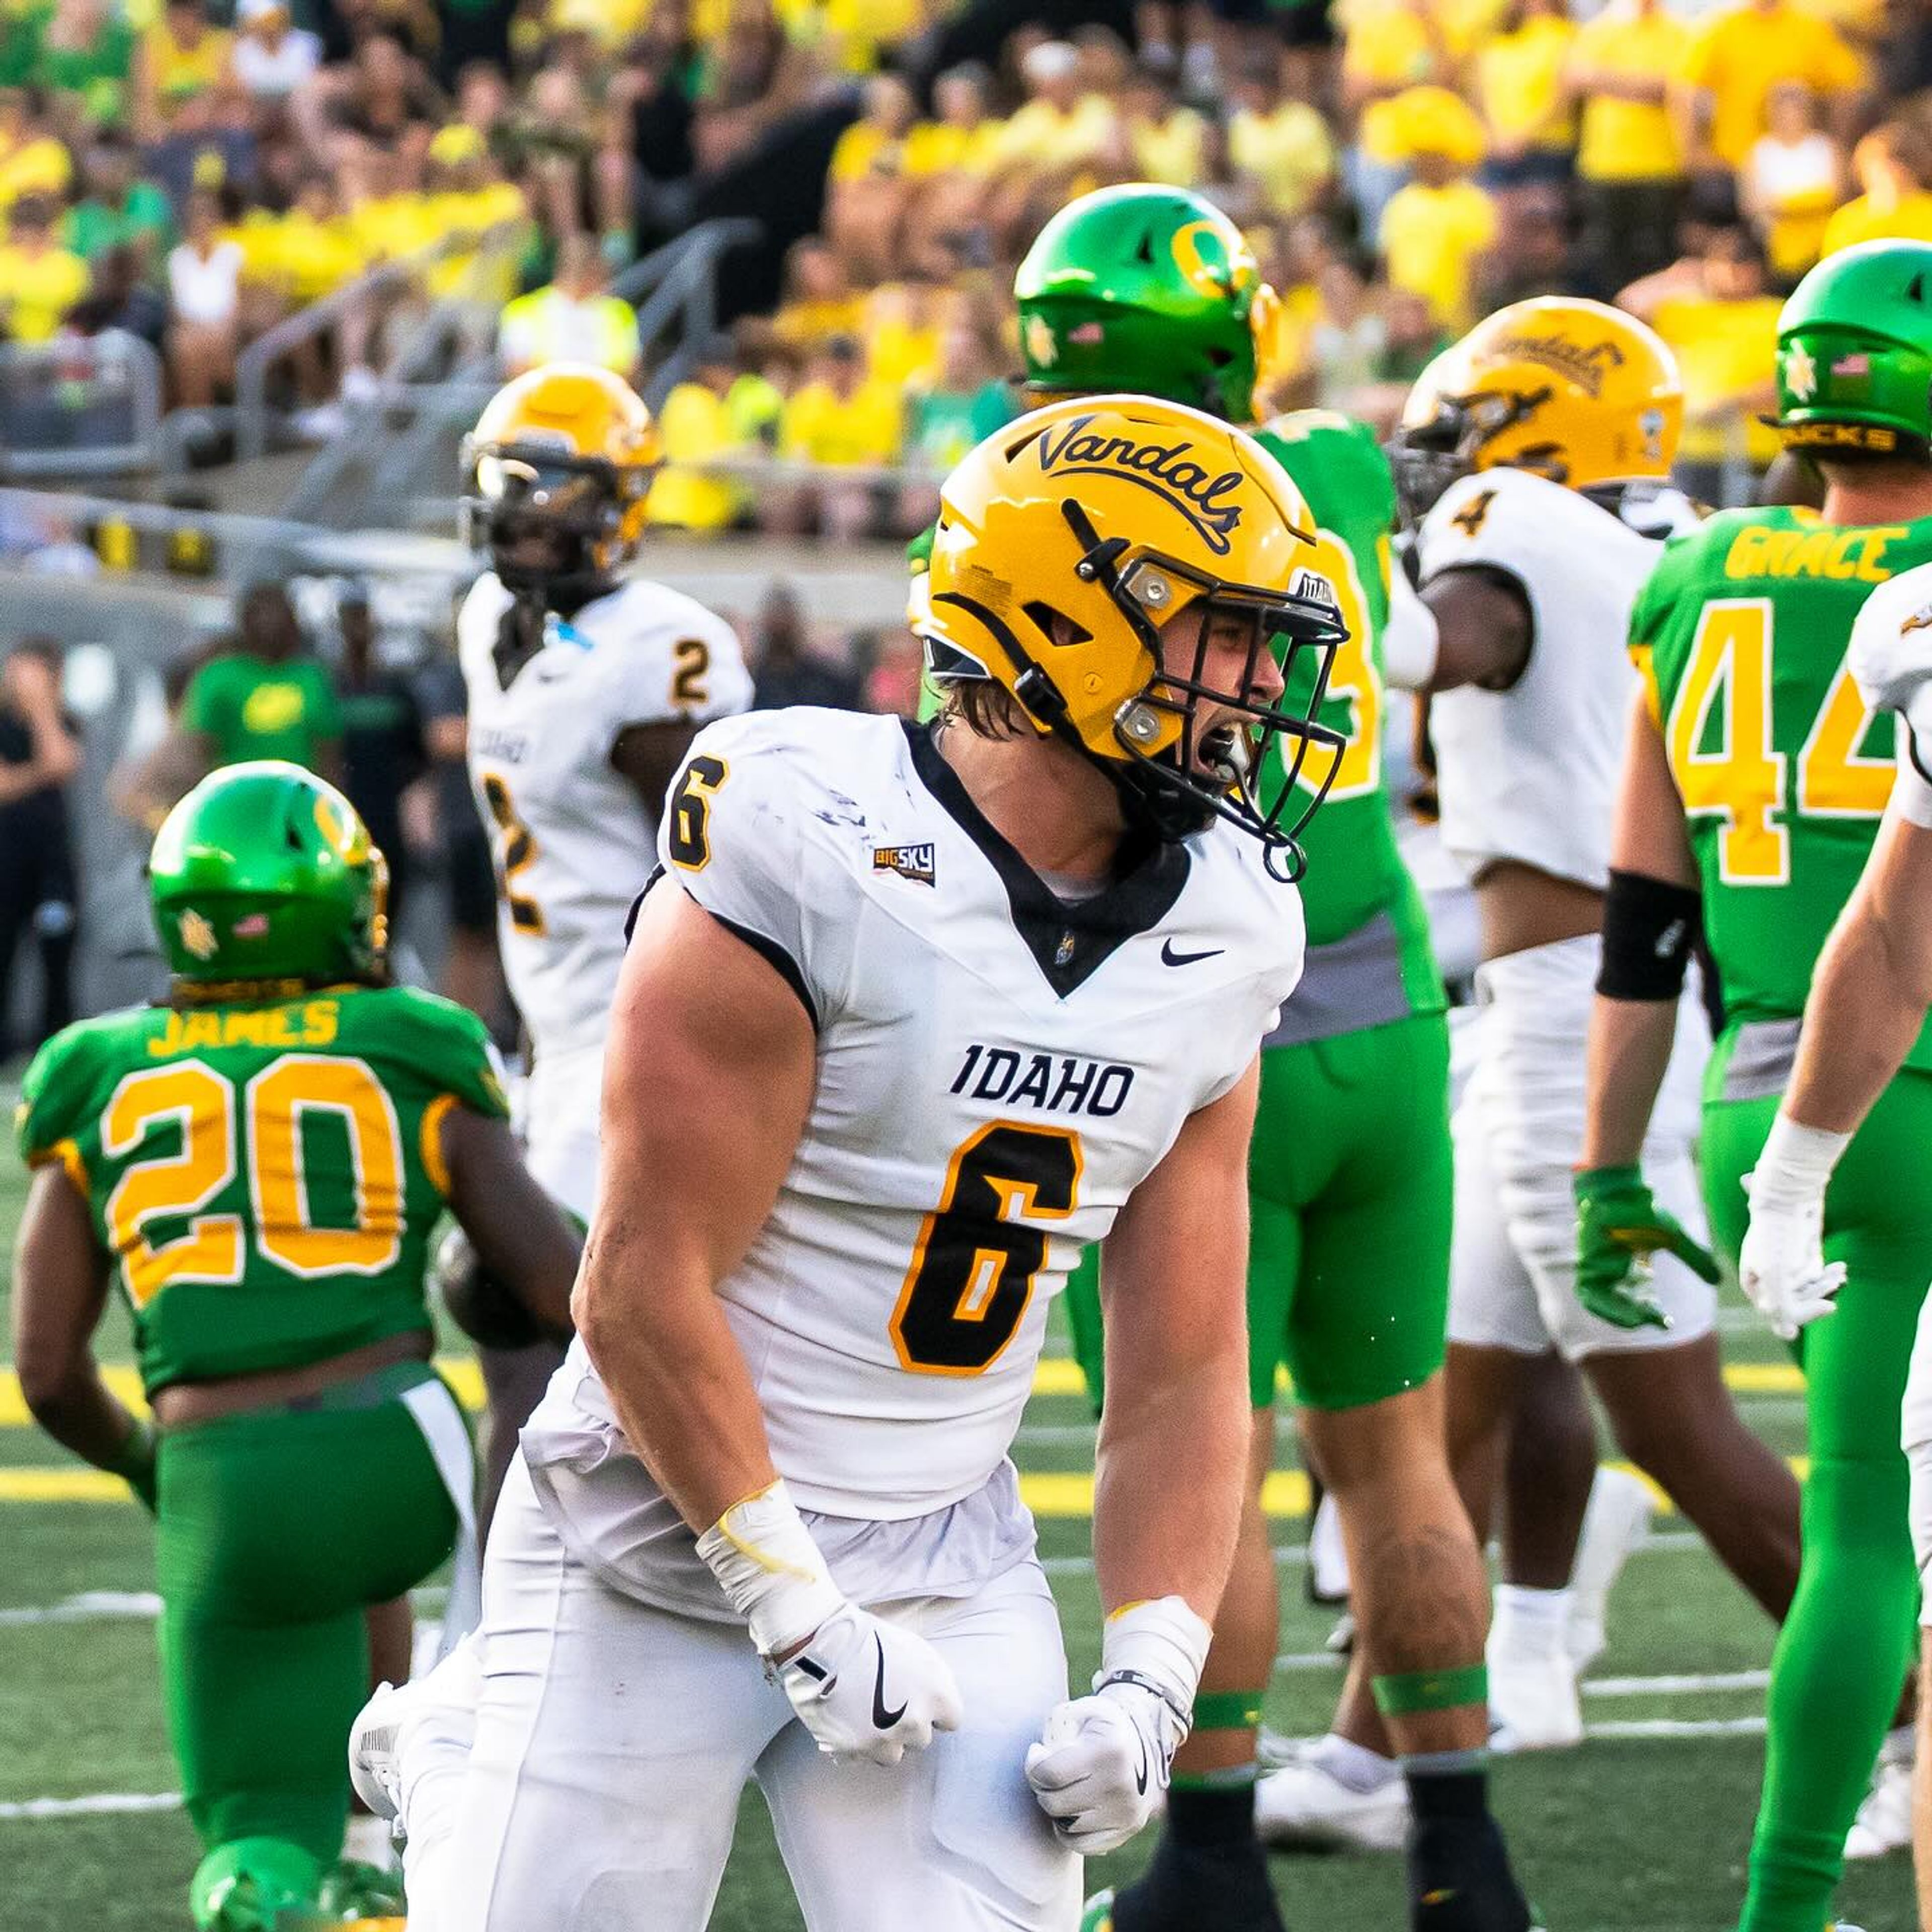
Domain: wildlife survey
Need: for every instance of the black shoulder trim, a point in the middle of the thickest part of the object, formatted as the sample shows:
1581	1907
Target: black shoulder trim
637	904
775	956
1068	942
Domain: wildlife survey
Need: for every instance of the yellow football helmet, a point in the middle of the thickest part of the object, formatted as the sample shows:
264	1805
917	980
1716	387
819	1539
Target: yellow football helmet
1572	390
1070	541
556	471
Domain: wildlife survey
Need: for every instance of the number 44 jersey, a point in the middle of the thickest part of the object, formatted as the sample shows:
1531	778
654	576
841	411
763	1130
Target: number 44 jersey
571	836
1741	633
266	1176
998	1070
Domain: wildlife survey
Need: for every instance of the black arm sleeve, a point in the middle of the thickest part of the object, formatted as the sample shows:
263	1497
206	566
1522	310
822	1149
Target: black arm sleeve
1650	929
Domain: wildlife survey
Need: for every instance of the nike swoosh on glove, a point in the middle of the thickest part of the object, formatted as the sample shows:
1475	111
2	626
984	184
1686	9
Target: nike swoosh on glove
1102	1764
1781	1265
865	1688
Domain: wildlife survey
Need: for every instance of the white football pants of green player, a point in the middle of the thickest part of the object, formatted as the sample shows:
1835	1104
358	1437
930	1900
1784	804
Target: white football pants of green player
613	1741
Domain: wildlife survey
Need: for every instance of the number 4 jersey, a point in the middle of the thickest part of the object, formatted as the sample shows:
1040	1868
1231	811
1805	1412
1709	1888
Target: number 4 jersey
998	1070
267	1176
1783	770
572	841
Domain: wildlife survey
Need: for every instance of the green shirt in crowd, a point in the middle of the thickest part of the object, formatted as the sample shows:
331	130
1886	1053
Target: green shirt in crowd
251	708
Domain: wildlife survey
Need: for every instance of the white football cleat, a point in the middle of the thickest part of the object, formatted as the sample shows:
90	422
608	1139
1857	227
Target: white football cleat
1333	1796
1884	1823
433	1715
1533	1704
1615	1524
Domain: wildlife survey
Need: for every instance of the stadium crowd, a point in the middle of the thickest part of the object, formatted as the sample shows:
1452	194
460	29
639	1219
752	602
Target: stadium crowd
190	171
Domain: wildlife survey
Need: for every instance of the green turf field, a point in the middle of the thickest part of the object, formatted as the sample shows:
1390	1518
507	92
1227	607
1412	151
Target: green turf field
1643	1829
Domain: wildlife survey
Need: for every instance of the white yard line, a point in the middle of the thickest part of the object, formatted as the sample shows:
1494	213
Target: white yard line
100	1805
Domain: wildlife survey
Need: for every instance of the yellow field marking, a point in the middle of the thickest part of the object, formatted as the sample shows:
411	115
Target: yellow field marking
1064	1495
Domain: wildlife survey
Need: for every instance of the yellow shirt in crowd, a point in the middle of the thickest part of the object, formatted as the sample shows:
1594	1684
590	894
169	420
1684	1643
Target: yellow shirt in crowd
694	424
938	147
1726	351
1173	151
37	290
1287	153
35	167
1630	140
1738	55
1520	84
815	426
1039	136
176	71
1431	239
1910	219
863	149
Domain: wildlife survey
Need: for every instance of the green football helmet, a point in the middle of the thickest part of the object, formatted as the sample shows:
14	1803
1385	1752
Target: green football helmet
265	871
1854	353
1149	291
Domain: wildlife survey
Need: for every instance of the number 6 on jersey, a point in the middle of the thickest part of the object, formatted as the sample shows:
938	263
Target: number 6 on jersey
973	1269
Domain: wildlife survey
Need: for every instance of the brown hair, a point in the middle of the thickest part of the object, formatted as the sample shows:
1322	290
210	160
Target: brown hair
986	710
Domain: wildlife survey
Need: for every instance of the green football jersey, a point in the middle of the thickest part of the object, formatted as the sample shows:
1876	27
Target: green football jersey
1741	633
266	1176
1355	873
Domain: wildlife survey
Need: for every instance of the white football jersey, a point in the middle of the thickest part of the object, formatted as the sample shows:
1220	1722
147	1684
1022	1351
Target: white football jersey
998	1071
573	842
1530	774
1890	656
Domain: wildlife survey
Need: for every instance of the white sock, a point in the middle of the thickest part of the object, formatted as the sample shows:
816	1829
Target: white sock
1354	1764
1529	1624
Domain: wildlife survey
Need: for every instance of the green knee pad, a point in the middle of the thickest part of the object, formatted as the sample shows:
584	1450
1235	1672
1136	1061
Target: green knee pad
254	1884
1417	1691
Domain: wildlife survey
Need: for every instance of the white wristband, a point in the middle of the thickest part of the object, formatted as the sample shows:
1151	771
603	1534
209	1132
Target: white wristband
1161	1643
1796	1164
764	1559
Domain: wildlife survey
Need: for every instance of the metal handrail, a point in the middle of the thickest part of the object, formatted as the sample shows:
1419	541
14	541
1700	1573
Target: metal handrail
681	281
142	364
252	365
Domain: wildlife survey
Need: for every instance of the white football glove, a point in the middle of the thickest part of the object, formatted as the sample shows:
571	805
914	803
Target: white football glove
866	1688
1781	1266
1103	1761
863	1687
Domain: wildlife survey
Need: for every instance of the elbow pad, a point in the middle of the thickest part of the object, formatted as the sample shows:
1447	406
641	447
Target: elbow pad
1651	927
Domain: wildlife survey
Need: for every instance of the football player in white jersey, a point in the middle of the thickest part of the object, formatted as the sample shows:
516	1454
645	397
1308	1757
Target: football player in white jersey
912	1014
584	690
1537	446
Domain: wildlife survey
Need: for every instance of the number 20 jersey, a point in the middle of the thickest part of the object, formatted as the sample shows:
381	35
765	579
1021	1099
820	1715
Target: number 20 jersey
570	837
997	1071
266	1176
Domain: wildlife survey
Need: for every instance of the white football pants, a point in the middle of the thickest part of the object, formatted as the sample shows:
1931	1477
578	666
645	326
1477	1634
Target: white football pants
613	1741
1916	1434
1519	1131
557	1116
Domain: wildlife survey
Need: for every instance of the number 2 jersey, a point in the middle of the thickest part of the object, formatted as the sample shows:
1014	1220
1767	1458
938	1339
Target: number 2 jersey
266	1177
997	1071
571	837
1783	770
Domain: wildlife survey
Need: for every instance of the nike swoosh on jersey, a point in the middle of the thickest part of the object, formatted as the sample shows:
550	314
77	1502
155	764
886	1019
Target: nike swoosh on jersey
1169	957
884	1719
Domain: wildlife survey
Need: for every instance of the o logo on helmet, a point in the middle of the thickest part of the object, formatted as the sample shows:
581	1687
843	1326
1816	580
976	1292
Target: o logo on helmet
1213	264
343	834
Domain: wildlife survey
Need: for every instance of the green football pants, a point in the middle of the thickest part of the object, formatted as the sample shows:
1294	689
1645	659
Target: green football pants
1350	1182
1848	1641
274	1529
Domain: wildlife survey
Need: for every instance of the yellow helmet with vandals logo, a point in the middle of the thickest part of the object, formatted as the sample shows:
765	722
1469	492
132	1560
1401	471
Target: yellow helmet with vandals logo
1572	390
555	473
1079	554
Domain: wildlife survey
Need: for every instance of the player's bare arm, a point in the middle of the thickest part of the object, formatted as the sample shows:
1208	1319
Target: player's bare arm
1630	1038
1484	628
1176	1368
648	756
709	1075
520	1238
1873	985
60	1290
